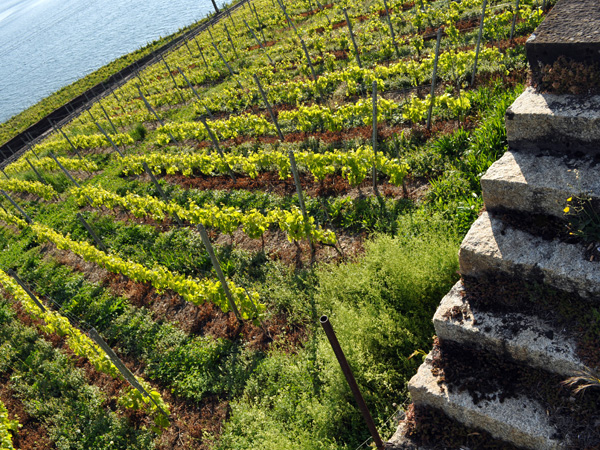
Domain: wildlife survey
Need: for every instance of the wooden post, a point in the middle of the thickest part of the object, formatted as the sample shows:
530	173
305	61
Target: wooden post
433	77
173	78
478	42
195	92
154	112
30	140
28	219
352	37
312	69
67	138
42	180
216	145
217	267
258	41
107	117
375	138
389	21
66	172
160	190
228	66
189	49
514	21
13	274
215	6
109	139
91	232
266	100
114	93
4	173
298	185
122	368
260	24
201	54
231	41
286	15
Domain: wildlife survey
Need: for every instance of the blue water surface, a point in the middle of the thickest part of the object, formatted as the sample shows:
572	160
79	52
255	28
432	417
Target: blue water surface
47	44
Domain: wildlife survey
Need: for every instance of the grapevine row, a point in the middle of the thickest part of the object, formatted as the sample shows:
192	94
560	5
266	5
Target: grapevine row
84	347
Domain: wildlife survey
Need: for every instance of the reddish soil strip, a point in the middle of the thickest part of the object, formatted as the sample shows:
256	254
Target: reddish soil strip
331	186
265	44
189	421
32	434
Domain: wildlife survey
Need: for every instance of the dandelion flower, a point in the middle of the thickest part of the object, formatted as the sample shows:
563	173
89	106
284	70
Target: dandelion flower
566	210
569	199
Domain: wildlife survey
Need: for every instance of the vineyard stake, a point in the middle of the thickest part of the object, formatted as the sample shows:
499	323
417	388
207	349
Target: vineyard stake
230	41
514	21
389	21
322	9
7	177
228	66
91	231
215	5
107	117
91	115
122	367
433	77
173	78
114	93
30	140
13	274
160	190
339	354
375	139
352	37
312	69
66	172
195	92
282	6
109	139
260	24
201	54
42	180
189	49
266	100
217	267
478	42
154	113
67	138
217	146
28	219
258	41
298	185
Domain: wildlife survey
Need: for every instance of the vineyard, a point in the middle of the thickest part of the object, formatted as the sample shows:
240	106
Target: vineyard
166	254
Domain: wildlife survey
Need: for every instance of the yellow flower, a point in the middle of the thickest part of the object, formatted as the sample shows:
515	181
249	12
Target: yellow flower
569	199
566	210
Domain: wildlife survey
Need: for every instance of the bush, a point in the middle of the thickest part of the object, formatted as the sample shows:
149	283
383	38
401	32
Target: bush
381	309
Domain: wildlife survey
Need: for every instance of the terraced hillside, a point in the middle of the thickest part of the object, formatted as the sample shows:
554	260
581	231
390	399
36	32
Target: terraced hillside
291	161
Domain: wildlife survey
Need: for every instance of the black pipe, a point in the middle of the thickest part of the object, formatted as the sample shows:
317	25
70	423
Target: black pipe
339	354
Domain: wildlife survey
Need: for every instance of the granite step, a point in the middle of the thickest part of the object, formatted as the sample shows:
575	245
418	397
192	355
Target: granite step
491	245
524	182
554	124
518	420
521	337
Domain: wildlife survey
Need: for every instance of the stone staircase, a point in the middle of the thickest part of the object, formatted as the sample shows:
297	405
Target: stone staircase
511	330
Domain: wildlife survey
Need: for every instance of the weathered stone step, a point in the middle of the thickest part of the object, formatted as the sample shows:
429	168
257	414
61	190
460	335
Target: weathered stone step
518	420
491	245
556	124
530	183
524	338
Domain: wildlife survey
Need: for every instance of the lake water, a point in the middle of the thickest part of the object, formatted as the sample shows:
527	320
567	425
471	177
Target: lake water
47	44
